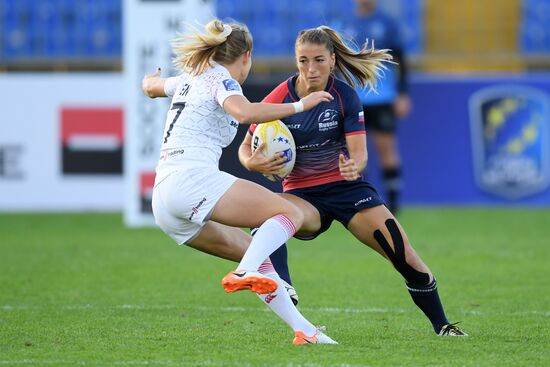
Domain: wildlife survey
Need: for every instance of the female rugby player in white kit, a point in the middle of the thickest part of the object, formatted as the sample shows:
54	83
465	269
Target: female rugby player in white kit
197	204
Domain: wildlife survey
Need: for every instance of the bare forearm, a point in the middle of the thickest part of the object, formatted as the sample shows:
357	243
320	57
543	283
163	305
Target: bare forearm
360	161
247	113
264	112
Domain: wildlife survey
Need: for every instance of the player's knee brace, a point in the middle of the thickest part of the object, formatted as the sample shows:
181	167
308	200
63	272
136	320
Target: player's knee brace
411	275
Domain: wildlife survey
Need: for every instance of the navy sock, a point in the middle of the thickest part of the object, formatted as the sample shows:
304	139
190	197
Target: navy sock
279	259
427	299
392	181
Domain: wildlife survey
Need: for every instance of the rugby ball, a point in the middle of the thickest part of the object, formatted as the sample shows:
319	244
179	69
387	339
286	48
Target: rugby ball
277	138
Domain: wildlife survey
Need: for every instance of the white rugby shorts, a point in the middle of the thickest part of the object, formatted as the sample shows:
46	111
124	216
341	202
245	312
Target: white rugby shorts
183	201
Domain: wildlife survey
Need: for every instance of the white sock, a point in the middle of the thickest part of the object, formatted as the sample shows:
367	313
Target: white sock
280	303
269	237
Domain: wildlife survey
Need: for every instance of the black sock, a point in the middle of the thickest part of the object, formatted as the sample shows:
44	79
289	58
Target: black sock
279	259
427	299
392	182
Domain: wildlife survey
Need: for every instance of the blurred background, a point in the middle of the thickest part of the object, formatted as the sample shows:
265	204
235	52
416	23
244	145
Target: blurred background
75	134
441	36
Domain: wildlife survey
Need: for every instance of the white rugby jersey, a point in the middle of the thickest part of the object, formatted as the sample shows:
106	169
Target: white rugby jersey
197	127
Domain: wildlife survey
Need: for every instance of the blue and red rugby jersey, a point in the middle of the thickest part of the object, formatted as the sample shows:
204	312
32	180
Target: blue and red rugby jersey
320	133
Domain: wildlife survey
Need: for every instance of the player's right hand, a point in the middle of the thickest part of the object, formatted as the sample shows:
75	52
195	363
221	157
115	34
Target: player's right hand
148	82
348	168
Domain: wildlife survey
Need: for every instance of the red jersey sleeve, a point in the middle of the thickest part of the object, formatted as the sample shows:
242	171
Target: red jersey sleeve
278	94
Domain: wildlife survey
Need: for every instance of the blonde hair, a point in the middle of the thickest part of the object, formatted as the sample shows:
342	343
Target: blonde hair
220	42
364	66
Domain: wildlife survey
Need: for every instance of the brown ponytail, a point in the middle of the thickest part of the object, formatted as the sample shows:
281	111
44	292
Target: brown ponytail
364	66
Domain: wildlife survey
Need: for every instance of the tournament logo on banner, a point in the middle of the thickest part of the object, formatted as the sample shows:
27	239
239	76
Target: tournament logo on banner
92	140
510	133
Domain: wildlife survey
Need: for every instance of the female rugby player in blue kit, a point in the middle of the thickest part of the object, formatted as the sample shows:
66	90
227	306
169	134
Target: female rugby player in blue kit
331	154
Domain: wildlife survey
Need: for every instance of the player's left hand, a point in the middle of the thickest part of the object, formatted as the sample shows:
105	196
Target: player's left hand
348	168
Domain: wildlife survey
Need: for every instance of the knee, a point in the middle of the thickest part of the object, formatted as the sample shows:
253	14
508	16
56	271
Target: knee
295	215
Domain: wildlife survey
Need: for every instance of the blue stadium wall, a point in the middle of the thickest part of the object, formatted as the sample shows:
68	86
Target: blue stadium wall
437	141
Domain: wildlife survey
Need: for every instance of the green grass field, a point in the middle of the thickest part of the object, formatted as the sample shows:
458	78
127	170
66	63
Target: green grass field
83	290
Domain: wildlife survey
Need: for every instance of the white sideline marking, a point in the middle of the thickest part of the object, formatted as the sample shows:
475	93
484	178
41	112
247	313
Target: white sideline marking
254	309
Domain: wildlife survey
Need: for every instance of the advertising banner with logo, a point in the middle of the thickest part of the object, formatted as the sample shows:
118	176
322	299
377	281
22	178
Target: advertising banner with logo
477	140
149	27
61	142
509	128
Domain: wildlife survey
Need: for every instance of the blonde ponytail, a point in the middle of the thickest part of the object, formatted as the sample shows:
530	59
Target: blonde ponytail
220	42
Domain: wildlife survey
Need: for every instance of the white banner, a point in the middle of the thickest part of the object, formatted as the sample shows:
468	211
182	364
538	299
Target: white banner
61	142
149	27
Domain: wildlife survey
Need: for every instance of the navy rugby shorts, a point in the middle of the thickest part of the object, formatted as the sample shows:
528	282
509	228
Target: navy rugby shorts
339	201
380	118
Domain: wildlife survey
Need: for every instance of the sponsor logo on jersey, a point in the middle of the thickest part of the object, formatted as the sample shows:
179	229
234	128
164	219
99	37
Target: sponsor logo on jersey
328	120
170	154
510	140
293	126
176	152
362	201
311	146
231	84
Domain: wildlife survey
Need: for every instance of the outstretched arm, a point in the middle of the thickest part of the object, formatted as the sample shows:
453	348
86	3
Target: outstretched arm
249	113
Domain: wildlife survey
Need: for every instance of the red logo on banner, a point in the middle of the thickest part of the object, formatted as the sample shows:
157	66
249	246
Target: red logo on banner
92	140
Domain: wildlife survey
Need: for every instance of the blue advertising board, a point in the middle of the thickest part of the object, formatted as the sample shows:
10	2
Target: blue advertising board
477	140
